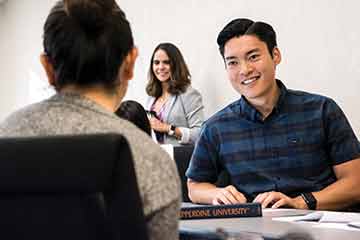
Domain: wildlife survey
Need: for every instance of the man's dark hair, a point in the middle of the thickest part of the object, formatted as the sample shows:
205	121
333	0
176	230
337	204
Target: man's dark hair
242	26
86	42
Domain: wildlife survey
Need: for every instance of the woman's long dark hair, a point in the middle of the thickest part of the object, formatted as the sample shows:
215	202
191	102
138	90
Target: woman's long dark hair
180	76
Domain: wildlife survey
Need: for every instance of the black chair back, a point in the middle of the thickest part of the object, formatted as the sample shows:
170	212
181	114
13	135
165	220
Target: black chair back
69	187
182	156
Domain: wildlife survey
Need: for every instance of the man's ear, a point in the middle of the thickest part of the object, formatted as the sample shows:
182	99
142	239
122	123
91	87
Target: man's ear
276	55
129	64
49	69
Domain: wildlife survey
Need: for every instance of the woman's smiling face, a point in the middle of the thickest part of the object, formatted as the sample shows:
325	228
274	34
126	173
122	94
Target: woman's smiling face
161	66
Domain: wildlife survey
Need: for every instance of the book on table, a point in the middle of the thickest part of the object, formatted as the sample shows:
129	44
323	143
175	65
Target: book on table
195	211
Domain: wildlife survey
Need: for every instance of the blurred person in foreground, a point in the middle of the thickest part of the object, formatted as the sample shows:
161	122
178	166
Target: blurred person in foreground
89	57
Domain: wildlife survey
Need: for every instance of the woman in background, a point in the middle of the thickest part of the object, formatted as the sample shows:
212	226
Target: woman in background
177	107
89	58
135	113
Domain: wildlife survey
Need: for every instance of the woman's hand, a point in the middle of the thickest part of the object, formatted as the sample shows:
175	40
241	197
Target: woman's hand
158	125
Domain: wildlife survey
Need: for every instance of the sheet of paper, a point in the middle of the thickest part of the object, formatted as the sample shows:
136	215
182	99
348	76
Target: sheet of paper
315	216
323	217
342	226
340	217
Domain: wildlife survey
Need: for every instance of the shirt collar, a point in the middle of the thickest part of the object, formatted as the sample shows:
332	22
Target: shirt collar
250	112
283	93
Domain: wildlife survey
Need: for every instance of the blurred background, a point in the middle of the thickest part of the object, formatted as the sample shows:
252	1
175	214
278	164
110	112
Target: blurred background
319	41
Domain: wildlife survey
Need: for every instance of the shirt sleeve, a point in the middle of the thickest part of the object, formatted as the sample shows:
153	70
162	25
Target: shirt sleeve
204	165
342	144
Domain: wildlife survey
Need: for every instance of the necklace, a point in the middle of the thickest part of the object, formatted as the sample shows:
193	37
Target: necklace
163	99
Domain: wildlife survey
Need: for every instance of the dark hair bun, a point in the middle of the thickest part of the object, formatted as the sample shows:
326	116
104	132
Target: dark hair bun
90	14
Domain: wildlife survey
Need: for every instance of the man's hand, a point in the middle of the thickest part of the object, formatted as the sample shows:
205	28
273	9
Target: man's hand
278	199
228	195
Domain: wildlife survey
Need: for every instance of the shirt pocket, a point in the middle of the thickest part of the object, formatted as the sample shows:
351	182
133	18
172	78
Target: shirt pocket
306	154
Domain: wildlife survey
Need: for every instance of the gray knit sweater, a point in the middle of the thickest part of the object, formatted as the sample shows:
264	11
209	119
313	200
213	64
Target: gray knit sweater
74	114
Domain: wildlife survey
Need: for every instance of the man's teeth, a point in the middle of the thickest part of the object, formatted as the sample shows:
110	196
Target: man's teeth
248	81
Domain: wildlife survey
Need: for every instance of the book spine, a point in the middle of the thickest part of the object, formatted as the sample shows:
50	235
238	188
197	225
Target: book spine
222	211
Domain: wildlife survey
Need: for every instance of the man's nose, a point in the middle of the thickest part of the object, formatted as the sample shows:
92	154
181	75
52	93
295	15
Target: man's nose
245	68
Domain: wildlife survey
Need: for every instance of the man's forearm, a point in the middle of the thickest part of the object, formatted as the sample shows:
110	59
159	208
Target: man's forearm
201	192
339	195
345	191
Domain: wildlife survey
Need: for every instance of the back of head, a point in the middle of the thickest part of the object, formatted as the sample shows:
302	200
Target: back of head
86	42
135	113
242	26
180	74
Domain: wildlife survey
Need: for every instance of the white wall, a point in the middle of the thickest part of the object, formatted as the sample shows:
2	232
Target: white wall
1	17
20	47
318	39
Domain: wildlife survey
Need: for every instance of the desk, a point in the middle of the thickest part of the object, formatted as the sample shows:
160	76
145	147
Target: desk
266	226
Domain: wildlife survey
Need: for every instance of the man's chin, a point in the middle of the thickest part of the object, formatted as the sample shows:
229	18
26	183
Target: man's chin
250	96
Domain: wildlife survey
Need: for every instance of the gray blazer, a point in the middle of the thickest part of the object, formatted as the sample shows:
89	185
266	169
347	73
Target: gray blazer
185	111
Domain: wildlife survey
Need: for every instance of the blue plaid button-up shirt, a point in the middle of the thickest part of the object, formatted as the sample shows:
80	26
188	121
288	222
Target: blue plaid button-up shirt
292	151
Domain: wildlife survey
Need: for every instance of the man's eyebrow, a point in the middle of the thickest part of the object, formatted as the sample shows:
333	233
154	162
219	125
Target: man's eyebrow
230	58
247	54
252	51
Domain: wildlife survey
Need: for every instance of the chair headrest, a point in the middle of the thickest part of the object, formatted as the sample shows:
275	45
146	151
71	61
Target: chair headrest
79	163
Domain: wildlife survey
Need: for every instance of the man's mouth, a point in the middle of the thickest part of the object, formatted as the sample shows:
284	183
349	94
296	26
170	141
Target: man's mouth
250	80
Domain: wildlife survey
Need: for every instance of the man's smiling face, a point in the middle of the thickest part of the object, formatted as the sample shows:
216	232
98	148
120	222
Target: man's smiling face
250	66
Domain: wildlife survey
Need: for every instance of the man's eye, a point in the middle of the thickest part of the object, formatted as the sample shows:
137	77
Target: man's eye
254	57
232	63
